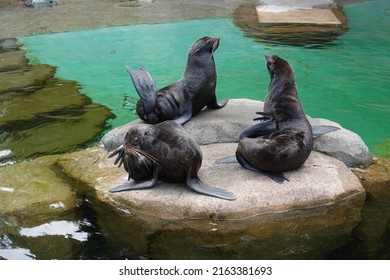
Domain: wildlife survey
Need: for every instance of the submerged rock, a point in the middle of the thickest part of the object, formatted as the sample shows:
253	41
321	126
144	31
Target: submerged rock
12	60
34	186
57	95
370	238
25	78
41	114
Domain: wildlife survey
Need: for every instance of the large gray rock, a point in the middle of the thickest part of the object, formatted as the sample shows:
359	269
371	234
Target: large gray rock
309	215
322	181
346	146
225	126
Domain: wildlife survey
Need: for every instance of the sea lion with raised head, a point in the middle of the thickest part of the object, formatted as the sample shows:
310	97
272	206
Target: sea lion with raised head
283	140
163	151
188	96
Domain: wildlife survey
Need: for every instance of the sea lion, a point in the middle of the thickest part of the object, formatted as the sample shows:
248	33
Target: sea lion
163	151
186	97
283	140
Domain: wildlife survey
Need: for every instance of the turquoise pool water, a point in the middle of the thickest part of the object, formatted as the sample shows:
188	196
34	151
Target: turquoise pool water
346	81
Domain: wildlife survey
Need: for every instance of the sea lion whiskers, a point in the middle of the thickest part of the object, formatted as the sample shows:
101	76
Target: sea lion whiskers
139	153
167	152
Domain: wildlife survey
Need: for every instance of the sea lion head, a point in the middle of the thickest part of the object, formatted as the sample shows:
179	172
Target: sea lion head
278	67
203	49
142	137
140	142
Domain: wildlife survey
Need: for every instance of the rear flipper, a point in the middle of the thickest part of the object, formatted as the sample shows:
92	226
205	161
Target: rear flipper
319	130
264	117
276	176
198	186
146	88
265	127
214	104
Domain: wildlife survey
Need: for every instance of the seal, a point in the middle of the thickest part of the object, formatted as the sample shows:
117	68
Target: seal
188	96
283	140
163	151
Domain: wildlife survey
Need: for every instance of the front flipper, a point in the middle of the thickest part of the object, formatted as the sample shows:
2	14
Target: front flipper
276	176
319	130
214	104
185	113
226	160
198	186
118	151
148	184
145	86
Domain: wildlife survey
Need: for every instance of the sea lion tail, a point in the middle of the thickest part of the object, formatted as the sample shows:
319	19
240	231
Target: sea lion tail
145	87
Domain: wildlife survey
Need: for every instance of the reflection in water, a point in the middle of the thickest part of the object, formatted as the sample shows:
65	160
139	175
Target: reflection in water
9	252
66	229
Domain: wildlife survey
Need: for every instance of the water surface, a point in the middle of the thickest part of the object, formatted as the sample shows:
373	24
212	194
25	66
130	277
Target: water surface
345	81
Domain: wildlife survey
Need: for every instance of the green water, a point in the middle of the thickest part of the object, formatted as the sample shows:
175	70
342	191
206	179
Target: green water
346	81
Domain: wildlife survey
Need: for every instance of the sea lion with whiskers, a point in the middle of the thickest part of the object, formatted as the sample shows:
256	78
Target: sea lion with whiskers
164	151
188	96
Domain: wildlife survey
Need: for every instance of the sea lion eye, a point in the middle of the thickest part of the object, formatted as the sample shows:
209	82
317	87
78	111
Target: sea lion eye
197	50
135	141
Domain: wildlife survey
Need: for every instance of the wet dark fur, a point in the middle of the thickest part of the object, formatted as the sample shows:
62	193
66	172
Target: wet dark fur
288	146
186	97
163	151
166	145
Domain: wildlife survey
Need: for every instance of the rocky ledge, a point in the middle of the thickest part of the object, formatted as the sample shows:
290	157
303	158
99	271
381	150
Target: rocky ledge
311	215
318	207
322	182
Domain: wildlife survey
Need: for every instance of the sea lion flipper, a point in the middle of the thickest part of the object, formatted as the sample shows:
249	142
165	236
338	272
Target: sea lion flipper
319	130
198	186
185	113
214	104
145	86
134	186
226	160
118	151
264	117
278	177
141	185
259	129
